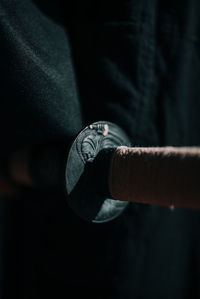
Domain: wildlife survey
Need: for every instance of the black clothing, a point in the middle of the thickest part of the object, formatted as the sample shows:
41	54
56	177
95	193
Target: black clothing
135	63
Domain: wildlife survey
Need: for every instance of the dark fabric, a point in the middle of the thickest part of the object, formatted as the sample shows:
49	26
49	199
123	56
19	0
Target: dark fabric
65	64
47	166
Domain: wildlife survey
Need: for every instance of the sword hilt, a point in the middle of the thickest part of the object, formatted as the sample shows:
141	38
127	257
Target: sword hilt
101	173
165	176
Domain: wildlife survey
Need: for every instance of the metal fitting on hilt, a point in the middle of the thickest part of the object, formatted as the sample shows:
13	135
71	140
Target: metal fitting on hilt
87	172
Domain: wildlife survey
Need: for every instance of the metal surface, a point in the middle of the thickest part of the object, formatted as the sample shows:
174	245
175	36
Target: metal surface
83	196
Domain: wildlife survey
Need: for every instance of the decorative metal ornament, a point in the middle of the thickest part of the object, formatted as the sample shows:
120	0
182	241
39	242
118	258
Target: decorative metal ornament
81	184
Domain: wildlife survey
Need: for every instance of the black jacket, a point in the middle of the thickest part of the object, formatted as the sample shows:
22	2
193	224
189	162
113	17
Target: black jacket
65	64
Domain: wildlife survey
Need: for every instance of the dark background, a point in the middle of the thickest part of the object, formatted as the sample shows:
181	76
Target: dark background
63	66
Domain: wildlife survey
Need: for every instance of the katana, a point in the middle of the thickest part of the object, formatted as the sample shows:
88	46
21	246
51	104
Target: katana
103	172
166	176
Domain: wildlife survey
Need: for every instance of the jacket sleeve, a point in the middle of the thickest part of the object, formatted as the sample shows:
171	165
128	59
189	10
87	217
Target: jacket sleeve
113	52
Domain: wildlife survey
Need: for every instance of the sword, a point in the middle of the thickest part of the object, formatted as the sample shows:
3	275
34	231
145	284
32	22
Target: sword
165	176
103	173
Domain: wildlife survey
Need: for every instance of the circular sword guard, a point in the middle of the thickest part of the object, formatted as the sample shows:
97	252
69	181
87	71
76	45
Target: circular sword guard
83	185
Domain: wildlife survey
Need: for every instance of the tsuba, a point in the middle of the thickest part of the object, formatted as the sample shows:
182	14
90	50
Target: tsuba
83	198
